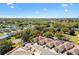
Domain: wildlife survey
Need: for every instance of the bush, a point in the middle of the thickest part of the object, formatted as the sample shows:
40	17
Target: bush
65	30
28	35
59	35
48	34
5	47
71	32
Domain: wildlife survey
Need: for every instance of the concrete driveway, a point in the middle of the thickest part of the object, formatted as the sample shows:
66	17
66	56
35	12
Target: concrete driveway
44	51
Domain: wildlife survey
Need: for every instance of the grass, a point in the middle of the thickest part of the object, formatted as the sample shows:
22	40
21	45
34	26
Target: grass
75	39
16	44
13	38
2	34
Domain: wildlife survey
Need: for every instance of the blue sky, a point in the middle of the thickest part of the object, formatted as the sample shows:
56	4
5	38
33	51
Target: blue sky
42	10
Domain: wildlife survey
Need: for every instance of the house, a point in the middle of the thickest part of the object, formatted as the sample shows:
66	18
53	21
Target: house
50	45
35	39
64	47
74	51
41	42
48	40
44	41
58	42
68	45
60	49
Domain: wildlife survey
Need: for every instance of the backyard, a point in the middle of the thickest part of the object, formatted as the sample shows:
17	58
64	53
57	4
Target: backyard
75	39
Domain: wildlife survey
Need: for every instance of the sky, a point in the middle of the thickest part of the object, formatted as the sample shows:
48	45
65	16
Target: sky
39	10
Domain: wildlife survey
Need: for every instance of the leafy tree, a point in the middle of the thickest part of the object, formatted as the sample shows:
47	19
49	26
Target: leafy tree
25	37
40	27
58	29
48	34
6	46
65	29
59	35
28	35
71	32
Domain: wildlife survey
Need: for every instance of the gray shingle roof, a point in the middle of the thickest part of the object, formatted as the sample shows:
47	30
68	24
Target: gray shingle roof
74	51
68	45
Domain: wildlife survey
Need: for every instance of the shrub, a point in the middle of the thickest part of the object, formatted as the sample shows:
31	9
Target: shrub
48	34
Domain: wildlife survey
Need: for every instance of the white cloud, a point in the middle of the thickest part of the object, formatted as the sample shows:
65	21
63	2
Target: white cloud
37	12
12	7
66	10
71	3
45	9
9	3
64	5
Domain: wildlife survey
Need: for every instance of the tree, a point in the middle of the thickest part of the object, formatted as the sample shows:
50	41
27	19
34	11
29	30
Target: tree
51	29
40	27
25	37
65	29
28	35
48	34
58	29
59	35
5	47
18	35
71	32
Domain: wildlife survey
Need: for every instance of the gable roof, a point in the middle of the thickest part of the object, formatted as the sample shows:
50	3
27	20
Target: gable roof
74	51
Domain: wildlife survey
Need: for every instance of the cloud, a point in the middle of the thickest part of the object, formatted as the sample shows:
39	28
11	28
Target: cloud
12	7
71	4
66	10
9	3
45	9
37	12
64	5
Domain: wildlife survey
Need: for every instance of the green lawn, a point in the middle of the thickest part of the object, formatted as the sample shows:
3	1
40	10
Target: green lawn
12	38
2	34
75	39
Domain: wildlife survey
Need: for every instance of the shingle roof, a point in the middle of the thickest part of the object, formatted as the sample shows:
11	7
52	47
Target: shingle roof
58	42
50	45
60	49
74	51
68	45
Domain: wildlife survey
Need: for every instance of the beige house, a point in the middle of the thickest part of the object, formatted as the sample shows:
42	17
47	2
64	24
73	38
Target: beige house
64	47
60	49
58	42
68	45
50	45
74	51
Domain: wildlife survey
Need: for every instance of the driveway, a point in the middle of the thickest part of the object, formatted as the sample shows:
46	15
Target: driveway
44	51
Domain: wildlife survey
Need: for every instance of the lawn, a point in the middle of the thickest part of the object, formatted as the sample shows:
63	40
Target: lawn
2	34
75	39
16	44
12	38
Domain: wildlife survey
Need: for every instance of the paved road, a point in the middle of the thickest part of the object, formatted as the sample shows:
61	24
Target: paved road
44	51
